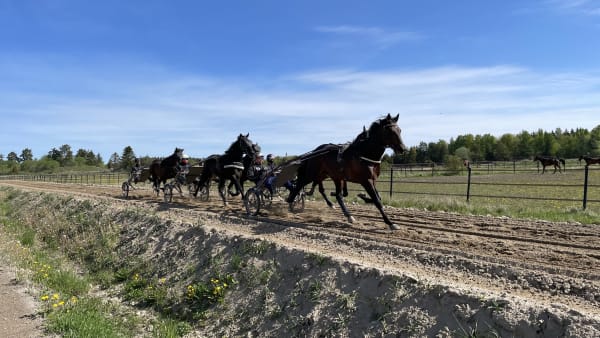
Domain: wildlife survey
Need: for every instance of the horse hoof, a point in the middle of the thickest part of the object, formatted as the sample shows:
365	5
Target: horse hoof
394	227
332	206
351	219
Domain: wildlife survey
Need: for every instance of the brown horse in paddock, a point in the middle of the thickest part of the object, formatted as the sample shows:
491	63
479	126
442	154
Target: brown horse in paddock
355	163
162	170
589	160
550	161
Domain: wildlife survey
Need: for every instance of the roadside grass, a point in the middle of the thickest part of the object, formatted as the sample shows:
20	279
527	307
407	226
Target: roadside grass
53	265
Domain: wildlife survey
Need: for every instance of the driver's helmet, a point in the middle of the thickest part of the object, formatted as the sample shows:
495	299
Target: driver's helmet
270	158
184	159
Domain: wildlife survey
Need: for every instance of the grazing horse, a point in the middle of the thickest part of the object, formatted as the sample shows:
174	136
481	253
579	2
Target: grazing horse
227	166
355	163
162	170
550	160
589	160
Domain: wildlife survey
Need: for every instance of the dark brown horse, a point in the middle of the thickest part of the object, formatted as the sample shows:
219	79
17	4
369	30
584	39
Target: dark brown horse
228	166
318	181
355	163
162	170
589	160
550	161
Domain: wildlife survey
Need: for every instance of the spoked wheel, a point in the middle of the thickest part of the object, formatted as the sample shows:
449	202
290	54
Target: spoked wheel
203	193
168	193
298	204
125	188
252	201
266	197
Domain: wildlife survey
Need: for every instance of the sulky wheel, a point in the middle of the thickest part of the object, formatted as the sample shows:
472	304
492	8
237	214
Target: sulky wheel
125	187
266	197
203	193
252	201
168	193
298	204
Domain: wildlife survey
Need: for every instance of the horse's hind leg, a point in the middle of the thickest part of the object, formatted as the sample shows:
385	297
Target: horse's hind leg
340	200
222	190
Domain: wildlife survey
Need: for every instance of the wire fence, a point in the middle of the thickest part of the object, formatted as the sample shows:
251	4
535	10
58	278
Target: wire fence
517	181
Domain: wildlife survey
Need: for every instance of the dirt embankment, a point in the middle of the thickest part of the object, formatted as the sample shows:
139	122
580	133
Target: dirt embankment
310	274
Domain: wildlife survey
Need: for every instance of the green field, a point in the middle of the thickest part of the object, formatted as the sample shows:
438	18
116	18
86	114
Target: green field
500	191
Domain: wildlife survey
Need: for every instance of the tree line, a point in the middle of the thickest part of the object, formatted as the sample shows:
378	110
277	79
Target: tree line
508	147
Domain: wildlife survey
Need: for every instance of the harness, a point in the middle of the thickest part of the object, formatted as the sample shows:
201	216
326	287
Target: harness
370	160
236	165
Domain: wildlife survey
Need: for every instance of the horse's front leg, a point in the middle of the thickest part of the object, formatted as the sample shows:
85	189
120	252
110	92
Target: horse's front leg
374	195
340	200
238	186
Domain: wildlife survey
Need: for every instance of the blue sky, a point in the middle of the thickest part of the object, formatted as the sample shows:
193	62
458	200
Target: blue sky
153	75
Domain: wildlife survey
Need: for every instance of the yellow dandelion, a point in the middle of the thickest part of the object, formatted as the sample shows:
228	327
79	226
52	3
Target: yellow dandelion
45	297
74	299
61	303
224	285
55	296
54	305
162	281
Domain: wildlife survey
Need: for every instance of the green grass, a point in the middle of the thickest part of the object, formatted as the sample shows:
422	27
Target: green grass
524	194
88	318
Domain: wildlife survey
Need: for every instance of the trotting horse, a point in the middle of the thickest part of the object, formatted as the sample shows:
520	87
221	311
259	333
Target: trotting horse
589	160
355	163
318	181
162	170
550	160
247	161
227	166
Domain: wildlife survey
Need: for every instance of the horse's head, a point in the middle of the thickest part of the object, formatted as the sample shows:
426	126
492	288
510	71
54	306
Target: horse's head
246	146
388	132
178	152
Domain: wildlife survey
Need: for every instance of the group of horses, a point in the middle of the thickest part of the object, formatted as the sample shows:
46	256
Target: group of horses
357	162
556	162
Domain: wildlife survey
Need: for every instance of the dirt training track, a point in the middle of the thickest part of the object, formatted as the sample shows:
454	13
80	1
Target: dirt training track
542	264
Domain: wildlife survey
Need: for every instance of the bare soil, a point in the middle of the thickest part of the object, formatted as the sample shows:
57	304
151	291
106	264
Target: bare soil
545	274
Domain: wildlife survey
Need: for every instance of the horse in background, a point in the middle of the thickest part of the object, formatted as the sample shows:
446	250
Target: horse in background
356	163
589	160
228	166
162	170
550	161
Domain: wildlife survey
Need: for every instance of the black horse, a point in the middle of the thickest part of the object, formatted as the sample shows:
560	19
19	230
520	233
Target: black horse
354	163
227	166
550	161
589	160
162	170
247	161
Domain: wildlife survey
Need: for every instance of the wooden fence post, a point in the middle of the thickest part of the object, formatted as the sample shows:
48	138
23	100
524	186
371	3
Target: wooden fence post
391	180
468	181
585	187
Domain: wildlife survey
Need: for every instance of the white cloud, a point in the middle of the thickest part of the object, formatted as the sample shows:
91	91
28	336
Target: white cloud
381	37
157	111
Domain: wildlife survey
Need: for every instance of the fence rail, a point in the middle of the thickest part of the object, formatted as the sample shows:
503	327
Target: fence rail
486	180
